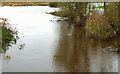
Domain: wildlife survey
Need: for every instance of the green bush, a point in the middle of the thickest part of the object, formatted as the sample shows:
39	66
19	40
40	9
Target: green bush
8	36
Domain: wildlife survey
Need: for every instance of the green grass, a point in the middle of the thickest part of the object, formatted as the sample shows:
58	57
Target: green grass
100	7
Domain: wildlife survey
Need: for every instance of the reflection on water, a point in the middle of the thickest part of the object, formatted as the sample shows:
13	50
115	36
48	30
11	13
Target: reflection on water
77	53
54	46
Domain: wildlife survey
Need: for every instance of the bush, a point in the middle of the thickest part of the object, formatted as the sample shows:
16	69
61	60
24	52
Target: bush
8	36
99	27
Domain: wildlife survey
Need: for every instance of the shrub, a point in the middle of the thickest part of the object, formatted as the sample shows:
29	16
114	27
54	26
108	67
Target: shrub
99	27
8	36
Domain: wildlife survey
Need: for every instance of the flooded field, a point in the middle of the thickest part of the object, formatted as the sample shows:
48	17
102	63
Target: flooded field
48	45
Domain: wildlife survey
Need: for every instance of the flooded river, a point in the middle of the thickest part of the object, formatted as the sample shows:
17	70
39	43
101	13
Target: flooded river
53	46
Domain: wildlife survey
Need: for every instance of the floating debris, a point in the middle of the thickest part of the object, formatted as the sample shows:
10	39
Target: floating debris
21	46
7	56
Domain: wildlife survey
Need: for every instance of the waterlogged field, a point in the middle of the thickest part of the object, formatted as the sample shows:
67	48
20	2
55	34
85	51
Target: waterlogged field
47	45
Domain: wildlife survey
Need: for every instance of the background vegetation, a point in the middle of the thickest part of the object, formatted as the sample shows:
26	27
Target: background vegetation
98	25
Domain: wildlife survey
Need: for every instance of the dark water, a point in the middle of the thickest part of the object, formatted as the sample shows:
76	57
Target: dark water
54	46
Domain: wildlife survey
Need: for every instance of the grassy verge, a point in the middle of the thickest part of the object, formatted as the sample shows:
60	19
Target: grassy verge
25	3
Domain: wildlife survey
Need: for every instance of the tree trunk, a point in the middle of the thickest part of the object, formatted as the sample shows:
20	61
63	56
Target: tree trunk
104	7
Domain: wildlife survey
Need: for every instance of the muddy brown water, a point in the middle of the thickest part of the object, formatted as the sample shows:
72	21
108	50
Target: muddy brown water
52	46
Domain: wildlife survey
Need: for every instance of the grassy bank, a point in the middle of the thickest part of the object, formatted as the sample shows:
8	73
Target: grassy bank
25	3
